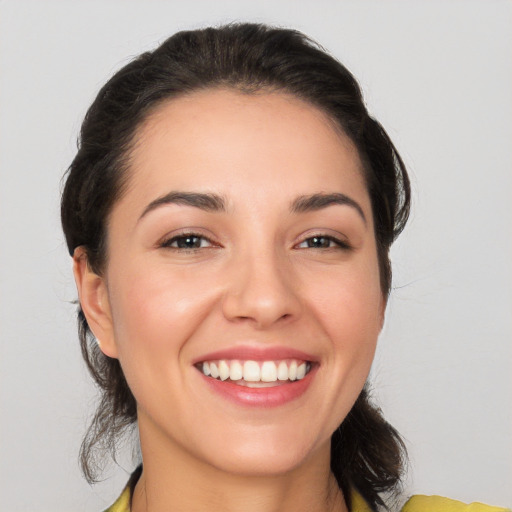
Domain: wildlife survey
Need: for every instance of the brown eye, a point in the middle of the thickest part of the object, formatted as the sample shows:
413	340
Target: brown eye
320	242
187	241
323	242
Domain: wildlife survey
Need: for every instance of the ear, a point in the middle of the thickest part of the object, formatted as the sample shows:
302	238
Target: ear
93	296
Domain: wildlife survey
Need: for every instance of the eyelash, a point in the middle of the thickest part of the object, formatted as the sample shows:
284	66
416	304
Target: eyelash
336	242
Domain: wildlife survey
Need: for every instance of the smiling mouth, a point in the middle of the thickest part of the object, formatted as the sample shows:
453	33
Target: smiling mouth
256	374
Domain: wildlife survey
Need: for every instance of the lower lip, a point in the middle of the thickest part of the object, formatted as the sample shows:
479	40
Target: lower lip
261	397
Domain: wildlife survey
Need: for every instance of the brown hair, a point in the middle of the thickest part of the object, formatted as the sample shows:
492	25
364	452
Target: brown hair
367	453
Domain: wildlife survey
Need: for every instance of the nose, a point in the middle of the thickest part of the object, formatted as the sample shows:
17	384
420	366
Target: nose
262	291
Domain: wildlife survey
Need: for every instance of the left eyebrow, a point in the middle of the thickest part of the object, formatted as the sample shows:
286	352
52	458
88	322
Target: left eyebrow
314	202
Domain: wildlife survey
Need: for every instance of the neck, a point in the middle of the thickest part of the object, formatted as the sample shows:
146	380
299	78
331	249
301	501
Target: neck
173	480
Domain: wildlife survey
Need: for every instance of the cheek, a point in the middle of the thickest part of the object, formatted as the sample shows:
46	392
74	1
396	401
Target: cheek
353	291
350	306
155	313
346	304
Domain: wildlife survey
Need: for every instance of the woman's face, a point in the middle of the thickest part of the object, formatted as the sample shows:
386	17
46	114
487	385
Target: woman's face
244	241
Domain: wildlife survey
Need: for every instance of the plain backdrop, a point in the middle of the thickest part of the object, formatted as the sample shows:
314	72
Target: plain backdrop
437	74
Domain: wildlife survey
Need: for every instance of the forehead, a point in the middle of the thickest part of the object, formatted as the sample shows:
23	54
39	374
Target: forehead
227	141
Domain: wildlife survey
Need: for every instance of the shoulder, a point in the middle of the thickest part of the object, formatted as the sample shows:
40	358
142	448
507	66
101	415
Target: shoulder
421	503
122	503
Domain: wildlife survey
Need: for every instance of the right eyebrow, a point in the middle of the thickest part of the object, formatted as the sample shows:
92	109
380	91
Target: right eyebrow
203	201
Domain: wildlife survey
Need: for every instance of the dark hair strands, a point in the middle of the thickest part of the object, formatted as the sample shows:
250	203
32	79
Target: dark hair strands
367	453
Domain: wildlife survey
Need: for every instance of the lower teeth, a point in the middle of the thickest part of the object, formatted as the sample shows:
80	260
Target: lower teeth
259	384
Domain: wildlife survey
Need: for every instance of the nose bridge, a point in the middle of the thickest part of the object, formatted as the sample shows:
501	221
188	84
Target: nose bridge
261	288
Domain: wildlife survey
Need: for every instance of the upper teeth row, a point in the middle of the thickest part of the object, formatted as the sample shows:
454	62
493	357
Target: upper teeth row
254	371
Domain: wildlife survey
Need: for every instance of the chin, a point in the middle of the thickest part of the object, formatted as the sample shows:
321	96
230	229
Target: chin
268	454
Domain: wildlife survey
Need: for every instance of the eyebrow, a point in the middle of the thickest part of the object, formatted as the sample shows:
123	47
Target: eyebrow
215	203
208	202
315	202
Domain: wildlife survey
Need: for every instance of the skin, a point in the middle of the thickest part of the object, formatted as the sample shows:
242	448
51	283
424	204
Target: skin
255	280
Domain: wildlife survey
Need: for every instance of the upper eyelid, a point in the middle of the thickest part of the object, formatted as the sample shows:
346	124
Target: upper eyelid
323	233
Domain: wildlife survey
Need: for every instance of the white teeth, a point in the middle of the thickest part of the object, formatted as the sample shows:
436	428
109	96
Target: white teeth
268	371
236	371
251	371
282	371
214	372
223	370
260	384
292	371
259	373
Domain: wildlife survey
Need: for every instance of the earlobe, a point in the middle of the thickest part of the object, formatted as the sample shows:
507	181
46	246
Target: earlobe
94	300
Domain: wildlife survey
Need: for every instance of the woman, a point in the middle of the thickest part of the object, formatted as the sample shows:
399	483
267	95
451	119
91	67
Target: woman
230	213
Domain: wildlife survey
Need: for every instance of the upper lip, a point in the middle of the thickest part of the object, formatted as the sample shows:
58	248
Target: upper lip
256	353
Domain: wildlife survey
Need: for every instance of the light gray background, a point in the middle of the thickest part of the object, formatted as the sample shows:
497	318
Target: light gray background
438	74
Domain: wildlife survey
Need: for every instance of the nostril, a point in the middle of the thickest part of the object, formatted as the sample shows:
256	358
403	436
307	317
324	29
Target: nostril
261	296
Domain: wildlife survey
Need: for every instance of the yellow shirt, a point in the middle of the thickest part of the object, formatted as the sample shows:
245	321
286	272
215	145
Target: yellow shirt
415	504
421	503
